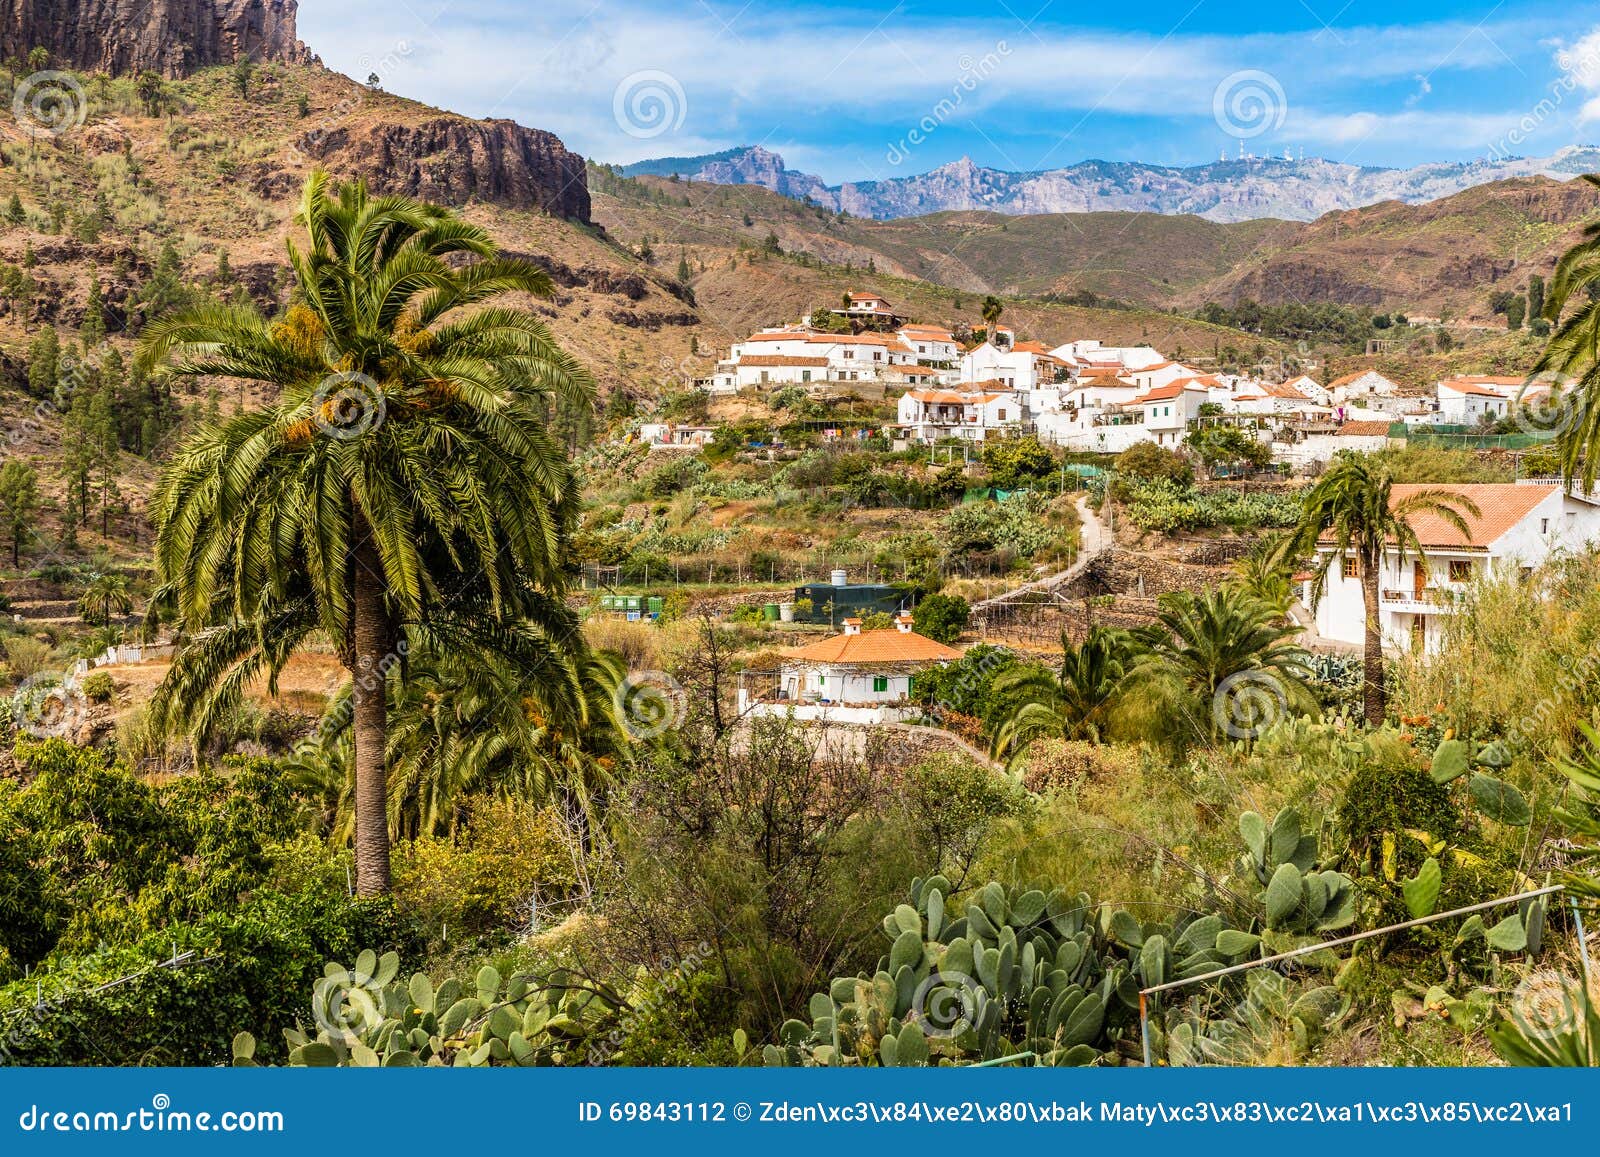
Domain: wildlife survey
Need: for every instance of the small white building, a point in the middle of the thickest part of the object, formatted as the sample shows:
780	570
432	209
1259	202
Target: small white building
1519	526
1362	385
856	677
1470	401
933	345
1169	409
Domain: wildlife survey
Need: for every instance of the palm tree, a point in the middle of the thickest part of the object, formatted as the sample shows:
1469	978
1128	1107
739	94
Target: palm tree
1353	509
1573	352
104	595
403	491
1266	571
1230	651
459	726
1071	702
991	310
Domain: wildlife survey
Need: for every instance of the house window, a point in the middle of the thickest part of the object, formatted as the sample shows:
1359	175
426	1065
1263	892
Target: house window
1544	526
822	681
1002	415
763	377
1460	570
911	684
880	682
805	375
1349	568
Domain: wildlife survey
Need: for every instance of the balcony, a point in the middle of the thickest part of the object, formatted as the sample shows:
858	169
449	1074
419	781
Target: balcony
1430	600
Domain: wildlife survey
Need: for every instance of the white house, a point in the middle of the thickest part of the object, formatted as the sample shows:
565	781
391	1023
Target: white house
1519	526
1467	401
1309	387
933	345
932	414
1169	409
791	356
857	677
1024	366
1089	353
1361	385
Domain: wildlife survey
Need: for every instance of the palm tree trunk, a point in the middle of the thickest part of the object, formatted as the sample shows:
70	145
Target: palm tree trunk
1374	701
369	712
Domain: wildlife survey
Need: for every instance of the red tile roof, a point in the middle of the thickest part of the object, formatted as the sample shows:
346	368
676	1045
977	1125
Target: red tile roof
1363	429
887	646
1501	505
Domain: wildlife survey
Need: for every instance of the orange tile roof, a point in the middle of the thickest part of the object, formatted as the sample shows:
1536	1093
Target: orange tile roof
952	397
886	646
1171	390
1475	387
1364	429
1501	505
1285	390
780	360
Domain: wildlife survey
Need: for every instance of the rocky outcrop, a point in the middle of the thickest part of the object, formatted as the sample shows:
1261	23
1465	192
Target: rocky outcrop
171	37
451	160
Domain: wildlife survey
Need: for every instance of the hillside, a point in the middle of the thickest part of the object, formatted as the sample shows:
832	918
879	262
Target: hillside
1445	257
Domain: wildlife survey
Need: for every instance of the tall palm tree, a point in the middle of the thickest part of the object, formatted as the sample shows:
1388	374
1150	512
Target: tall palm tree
1353	510
1072	701
1210	641
104	596
402	491
1573	352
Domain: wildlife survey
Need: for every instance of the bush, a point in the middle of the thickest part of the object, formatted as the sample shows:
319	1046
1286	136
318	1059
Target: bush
488	875
1387	796
941	618
98	687
1145	462
251	968
1054	763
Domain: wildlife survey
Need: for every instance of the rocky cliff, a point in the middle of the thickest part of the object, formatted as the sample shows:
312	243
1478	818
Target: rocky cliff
171	37
452	160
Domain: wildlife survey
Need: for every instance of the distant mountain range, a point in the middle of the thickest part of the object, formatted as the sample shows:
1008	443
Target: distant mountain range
1226	191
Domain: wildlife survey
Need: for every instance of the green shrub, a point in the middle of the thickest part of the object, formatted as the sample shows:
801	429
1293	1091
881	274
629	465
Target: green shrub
941	618
1389	796
98	687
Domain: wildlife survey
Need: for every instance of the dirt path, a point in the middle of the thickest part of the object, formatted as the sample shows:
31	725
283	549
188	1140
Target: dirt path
1094	537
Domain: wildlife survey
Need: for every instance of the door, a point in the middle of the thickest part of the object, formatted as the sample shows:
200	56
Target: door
1419	578
1419	633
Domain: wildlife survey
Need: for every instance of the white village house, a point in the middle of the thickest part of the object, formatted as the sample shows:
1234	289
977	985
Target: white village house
928	415
1519	526
857	677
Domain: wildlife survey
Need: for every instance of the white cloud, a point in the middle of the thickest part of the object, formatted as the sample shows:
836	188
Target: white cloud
785	75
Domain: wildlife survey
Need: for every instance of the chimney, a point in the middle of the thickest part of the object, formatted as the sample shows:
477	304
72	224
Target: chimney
902	623
852	626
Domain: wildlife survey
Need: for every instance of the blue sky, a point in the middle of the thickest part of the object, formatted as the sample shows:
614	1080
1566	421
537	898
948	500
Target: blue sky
864	90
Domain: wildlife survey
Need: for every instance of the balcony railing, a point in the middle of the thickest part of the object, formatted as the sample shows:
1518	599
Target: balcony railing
1432	596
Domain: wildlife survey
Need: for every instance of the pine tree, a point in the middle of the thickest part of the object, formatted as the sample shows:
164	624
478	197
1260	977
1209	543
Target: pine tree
19	505
103	452
14	210
93	330
44	363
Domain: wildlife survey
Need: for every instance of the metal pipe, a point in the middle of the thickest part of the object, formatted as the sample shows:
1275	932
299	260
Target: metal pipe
1144	1026
1320	945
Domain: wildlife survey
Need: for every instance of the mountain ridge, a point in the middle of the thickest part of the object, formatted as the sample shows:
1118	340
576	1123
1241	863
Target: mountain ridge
1227	190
